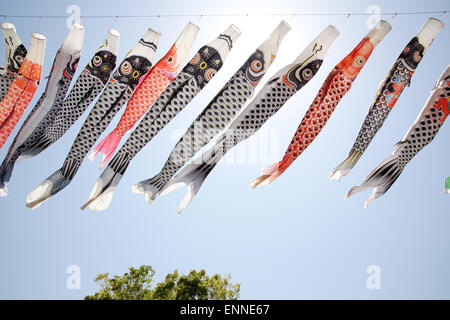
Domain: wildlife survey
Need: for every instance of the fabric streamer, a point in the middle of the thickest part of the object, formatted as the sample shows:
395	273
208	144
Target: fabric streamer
222	109
23	87
62	115
283	85
447	185
388	92
421	133
15	54
136	64
159	77
336	85
189	82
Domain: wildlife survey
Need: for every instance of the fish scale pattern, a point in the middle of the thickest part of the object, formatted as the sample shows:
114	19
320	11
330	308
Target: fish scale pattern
63	86
107	106
188	83
88	87
211	121
426	128
150	90
18	97
170	103
331	92
420	134
5	81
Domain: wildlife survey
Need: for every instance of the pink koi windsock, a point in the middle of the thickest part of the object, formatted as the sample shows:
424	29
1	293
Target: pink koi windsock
159	77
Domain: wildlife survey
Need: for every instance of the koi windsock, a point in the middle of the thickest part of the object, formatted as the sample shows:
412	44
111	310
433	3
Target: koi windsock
15	54
336	85
276	91
126	78
388	92
22	89
60	117
422	132
189	82
447	185
220	111
159	77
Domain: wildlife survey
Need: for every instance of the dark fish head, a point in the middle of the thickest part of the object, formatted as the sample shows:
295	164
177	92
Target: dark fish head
204	65
300	74
412	54
131	70
17	58
71	67
254	67
102	65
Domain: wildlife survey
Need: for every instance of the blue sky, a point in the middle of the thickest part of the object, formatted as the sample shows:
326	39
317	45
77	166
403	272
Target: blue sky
297	238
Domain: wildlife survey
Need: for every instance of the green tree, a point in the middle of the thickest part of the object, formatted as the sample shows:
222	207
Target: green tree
137	285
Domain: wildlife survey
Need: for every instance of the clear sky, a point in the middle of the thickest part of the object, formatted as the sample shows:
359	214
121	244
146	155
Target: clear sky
297	238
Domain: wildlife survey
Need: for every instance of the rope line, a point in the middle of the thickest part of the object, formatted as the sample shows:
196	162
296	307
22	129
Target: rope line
348	14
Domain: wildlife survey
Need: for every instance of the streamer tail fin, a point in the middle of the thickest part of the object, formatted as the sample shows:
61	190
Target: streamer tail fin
346	166
271	173
49	187
380	179
193	177
150	187
37	147
103	191
6	170
107	147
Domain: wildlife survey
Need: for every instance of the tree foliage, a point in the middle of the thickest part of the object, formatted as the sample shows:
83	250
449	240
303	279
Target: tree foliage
136	284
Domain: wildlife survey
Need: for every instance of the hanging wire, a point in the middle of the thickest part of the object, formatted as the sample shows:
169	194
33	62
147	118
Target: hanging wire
348	14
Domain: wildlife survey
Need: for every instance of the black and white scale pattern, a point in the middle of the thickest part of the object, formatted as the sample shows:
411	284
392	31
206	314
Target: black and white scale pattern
17	150
421	133
189	82
268	101
400	73
222	109
87	87
118	90
283	85
5	81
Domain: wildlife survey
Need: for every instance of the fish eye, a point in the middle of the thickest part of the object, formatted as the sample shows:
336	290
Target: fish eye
307	74
97	61
195	59
126	68
256	65
209	74
359	61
